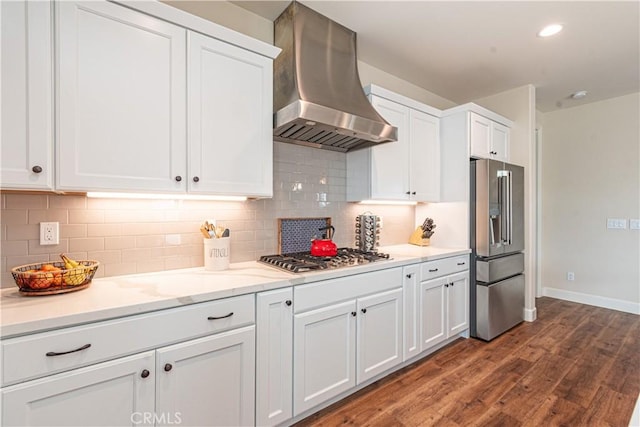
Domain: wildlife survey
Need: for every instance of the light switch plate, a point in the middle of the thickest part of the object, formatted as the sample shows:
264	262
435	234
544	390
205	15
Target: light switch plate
617	223
634	224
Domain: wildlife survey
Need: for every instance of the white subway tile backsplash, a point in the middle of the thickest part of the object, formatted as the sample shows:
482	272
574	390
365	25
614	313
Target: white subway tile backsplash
133	236
137	254
118	269
35	248
88	216
86	244
150	241
118	243
25	201
72	230
15	216
22	232
13	248
67	202
141	229
105	257
104	230
37	216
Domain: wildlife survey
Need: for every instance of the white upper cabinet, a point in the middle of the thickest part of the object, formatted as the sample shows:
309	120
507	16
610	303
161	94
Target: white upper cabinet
488	139
424	161
121	100
27	94
146	105
469	130
405	170
230	121
389	161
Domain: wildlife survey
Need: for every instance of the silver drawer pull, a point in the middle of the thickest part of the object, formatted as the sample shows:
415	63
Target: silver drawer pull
433	270
53	353
220	317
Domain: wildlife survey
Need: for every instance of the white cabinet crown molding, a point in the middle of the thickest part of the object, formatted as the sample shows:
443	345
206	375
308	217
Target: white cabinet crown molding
201	25
373	89
478	109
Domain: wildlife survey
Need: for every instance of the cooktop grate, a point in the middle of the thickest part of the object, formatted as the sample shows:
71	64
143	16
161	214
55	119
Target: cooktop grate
300	262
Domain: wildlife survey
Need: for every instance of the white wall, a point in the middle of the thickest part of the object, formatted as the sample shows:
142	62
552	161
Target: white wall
591	172
370	74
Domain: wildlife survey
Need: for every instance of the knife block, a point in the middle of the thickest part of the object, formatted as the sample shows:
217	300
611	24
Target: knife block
416	238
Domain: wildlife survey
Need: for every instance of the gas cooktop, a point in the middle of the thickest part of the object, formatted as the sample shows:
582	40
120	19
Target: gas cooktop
300	262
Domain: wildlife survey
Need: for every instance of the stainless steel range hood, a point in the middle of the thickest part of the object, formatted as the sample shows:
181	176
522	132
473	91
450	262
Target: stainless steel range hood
318	97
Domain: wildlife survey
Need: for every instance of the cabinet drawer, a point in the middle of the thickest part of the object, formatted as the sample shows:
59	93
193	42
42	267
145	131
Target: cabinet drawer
46	353
442	267
330	291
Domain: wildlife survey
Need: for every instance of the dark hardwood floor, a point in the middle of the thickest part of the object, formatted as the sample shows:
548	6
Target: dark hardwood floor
577	365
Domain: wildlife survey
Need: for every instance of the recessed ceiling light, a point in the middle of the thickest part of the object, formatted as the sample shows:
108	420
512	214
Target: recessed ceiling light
550	30
579	94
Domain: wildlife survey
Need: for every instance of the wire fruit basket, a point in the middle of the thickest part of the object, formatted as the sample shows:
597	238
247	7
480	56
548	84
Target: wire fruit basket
53	278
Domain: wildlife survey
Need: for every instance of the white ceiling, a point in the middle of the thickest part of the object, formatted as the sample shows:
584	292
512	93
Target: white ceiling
468	50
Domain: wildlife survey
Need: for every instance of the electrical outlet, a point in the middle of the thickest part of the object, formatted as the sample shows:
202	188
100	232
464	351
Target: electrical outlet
49	233
571	276
634	224
617	223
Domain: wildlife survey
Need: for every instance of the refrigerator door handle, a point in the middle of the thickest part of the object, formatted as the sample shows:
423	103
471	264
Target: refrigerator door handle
506	223
509	208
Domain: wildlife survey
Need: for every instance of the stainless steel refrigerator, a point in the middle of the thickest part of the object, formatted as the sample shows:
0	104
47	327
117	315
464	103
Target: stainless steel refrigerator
497	241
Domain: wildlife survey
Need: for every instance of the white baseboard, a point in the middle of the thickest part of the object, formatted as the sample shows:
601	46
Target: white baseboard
530	314
596	300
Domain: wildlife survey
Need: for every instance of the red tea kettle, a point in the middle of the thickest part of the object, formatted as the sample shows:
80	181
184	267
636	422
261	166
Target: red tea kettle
324	246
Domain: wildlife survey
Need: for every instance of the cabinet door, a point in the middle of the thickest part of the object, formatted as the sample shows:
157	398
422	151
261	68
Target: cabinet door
411	310
432	312
424	157
389	172
230	119
324	354
274	357
208	381
499	142
114	393
27	92
121	100
480	136
379	336
458	303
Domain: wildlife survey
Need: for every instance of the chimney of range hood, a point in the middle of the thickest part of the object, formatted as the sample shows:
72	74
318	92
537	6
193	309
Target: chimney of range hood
318	97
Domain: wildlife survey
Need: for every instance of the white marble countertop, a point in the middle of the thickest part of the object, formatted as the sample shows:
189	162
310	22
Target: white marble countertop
119	296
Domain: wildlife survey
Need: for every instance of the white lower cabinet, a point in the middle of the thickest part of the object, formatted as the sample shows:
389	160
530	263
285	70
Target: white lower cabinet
411	309
379	333
115	393
274	356
324	354
263	359
342	344
207	381
444	308
436	303
206	378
